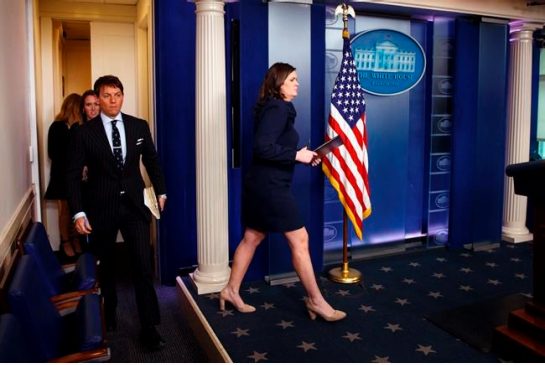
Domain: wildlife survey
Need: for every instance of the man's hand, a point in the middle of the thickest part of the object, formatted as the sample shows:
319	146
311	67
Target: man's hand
162	201
82	225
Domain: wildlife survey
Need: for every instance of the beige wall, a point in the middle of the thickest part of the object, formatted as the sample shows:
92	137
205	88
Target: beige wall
16	117
76	66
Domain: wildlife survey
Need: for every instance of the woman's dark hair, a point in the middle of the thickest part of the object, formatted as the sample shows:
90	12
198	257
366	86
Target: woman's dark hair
83	96
274	78
107	80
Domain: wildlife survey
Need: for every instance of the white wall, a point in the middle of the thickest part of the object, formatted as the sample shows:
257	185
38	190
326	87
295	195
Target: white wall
16	114
113	52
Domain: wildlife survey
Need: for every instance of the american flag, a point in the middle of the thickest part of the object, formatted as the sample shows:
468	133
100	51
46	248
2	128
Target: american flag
347	166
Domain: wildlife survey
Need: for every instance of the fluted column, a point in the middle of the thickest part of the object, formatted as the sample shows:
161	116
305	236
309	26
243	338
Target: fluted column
518	127
211	149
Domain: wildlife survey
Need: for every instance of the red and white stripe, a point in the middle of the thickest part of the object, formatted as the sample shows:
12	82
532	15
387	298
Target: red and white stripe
347	167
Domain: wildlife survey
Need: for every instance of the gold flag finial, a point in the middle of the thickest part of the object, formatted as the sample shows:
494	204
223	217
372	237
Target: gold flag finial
345	10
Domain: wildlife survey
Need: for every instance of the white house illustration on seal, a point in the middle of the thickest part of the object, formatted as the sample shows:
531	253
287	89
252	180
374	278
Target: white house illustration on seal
385	57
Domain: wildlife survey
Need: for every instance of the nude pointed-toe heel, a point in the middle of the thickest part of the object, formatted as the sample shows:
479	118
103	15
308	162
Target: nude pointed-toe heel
245	308
313	313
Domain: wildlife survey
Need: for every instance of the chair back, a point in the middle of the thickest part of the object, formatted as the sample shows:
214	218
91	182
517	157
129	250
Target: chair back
37	245
30	304
14	346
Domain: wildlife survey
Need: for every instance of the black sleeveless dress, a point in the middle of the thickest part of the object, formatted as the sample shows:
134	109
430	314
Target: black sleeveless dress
268	204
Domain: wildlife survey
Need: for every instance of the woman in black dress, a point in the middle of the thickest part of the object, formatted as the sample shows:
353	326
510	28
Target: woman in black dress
267	202
58	140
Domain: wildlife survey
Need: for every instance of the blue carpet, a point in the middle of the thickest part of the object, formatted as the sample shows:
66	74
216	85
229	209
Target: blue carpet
386	315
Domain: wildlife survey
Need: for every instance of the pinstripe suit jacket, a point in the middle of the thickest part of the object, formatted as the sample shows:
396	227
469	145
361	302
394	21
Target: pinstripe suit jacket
90	147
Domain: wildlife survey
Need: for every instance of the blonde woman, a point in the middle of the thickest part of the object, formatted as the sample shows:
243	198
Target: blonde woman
58	140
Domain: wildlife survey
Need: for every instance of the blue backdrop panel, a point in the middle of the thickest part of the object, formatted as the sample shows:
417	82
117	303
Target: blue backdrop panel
478	139
388	122
417	144
175	115
285	20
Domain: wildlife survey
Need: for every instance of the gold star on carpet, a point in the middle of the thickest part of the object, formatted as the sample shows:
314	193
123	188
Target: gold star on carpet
520	276
267	306
227	312
434	294
414	264
393	327
213	296
343	292
290	285
386	269
258	356
465	287
465	254
409	281
515	259
241	332
352	336
466	270
252	290
285	324
426	350
494	282
438	275
441	259
377	286
491	264
307	346
381	359
402	302
366	308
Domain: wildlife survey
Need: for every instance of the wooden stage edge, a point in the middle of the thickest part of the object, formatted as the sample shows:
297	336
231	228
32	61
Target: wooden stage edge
201	328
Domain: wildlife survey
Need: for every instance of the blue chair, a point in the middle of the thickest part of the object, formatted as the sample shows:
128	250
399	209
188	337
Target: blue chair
14	346
78	336
82	278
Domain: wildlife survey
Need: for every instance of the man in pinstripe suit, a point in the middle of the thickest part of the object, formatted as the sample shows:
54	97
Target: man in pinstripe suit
111	146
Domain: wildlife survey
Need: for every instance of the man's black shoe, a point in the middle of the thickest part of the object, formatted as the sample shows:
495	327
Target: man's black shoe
111	322
152	339
111	326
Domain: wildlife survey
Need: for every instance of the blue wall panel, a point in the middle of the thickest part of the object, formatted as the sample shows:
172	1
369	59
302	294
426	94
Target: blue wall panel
491	132
463	135
175	115
253	17
478	150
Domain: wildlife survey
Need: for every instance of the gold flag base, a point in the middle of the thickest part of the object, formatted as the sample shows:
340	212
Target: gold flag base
345	275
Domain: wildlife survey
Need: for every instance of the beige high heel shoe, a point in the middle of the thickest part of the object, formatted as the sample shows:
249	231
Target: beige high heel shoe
313	313
245	308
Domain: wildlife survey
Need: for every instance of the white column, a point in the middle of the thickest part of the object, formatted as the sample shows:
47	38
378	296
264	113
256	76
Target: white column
211	149
518	127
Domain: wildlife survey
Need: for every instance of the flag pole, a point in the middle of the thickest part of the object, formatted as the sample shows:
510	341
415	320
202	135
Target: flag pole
345	274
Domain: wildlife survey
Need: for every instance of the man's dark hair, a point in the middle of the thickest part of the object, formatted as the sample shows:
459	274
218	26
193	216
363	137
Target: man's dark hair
107	80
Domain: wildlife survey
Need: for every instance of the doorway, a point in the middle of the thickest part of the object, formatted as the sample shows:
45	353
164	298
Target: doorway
78	41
